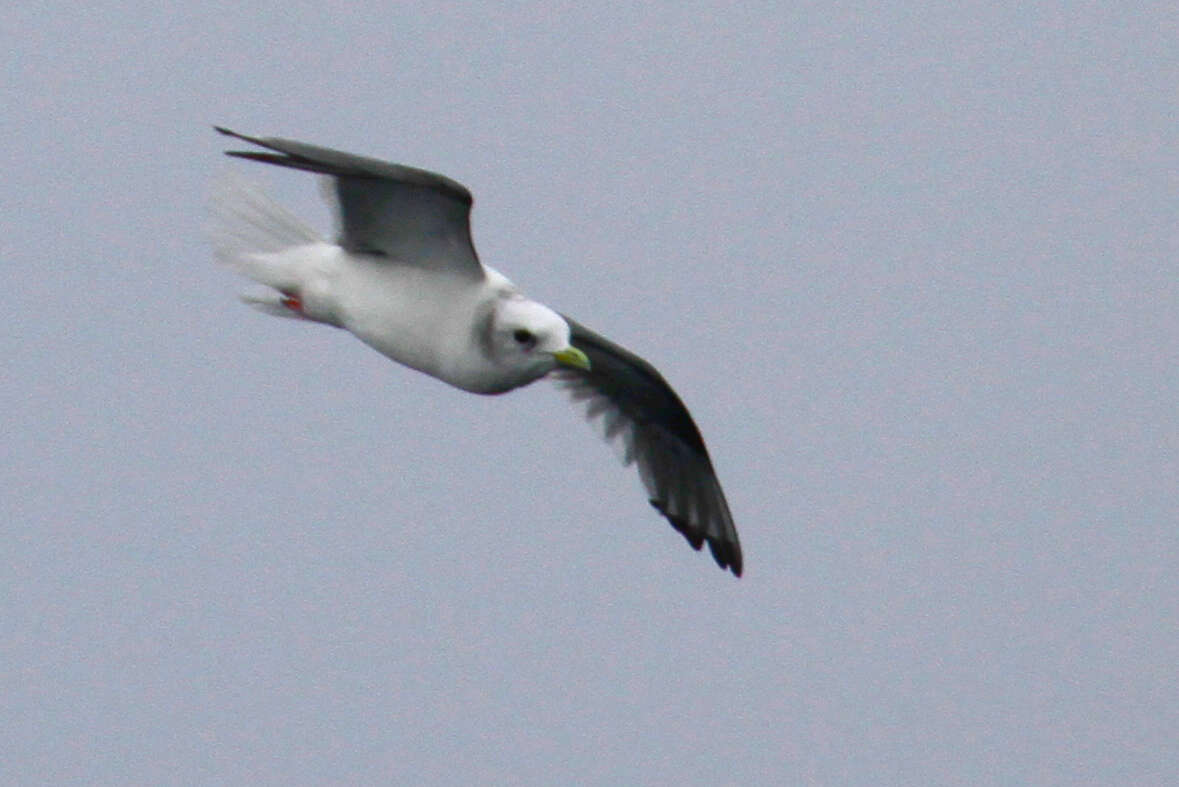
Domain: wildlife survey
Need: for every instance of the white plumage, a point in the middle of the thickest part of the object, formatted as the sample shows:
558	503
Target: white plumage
404	278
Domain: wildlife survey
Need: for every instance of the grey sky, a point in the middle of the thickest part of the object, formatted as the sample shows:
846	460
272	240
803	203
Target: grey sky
914	272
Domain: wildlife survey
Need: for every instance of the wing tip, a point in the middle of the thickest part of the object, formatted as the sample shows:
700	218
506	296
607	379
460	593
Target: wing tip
326	161
727	554
228	132
252	155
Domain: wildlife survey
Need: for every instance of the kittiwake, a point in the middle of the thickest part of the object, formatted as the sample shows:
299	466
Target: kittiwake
403	277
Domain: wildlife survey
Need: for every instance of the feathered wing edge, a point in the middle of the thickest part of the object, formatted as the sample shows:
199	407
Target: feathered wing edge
381	208
645	421
336	163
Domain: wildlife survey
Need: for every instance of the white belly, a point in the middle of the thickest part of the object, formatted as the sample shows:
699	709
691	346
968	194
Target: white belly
418	317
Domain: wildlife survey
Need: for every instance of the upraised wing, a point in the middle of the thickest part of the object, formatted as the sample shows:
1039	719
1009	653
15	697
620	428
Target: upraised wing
408	215
644	417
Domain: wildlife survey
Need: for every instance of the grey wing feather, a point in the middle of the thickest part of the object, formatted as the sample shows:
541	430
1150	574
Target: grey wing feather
405	214
643	416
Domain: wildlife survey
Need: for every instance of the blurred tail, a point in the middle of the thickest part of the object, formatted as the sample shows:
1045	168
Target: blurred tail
263	241
244	221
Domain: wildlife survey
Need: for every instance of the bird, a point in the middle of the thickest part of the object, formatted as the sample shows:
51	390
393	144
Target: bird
402	275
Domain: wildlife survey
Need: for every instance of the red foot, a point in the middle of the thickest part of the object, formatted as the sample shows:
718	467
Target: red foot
292	302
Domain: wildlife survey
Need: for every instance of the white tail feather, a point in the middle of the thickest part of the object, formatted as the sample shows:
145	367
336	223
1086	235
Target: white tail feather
263	241
247	222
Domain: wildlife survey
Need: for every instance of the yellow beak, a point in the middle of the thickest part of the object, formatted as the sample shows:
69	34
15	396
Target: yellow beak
571	356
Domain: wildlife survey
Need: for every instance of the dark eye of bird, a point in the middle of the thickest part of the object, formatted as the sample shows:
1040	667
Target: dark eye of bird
522	336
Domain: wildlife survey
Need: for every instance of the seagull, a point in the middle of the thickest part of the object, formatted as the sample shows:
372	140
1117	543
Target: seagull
403	277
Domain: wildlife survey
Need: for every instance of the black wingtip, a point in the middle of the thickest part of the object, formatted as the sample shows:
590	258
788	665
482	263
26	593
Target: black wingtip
228	132
231	133
253	155
727	555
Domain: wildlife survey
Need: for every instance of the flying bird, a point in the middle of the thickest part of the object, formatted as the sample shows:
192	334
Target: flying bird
403	277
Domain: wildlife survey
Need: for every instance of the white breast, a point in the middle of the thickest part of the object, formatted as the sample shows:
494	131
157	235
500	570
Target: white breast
418	317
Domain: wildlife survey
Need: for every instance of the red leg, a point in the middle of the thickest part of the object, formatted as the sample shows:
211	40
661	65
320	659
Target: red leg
292	302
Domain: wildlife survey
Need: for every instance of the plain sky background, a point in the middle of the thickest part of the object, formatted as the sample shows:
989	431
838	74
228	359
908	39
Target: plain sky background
914	271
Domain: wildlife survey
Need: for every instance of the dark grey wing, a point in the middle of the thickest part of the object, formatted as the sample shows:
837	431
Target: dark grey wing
644	417
406	214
